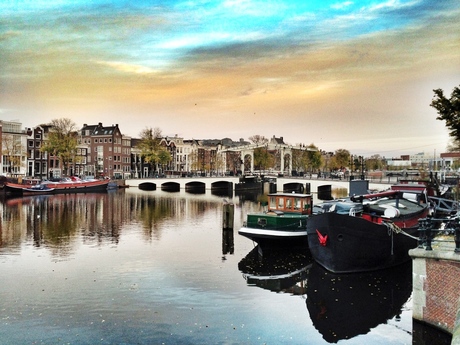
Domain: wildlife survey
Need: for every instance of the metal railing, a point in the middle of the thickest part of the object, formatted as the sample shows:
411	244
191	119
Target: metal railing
429	227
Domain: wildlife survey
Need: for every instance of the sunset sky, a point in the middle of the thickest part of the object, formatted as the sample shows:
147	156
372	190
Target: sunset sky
356	75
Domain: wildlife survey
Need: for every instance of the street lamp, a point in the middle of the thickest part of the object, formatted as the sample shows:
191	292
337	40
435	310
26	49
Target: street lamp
361	160
351	167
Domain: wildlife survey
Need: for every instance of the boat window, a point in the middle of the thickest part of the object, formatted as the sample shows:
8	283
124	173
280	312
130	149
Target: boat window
280	203
288	203
298	204
262	221
307	205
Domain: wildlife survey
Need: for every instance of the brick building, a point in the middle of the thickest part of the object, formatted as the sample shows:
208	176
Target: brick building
103	151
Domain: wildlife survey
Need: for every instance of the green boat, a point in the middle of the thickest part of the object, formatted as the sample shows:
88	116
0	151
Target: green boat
284	222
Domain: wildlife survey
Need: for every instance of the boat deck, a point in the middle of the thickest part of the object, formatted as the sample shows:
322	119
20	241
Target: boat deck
404	206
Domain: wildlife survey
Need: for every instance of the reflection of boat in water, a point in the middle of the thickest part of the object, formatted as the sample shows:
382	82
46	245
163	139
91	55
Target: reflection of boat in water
342	306
279	270
17	200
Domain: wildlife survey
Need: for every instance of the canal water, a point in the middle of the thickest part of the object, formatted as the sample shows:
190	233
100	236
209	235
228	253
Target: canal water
138	267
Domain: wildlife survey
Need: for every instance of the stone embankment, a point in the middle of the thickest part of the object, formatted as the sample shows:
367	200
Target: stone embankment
436	286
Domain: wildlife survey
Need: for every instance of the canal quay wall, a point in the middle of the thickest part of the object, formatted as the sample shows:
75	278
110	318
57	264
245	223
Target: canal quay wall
436	286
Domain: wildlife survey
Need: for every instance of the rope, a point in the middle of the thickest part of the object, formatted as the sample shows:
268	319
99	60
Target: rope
393	228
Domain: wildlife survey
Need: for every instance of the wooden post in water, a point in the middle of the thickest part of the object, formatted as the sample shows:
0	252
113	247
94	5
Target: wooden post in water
227	216
227	228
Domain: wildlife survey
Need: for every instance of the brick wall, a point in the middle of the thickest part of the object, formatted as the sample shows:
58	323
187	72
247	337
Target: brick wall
442	288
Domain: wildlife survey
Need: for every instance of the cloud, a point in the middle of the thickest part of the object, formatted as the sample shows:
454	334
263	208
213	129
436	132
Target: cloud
126	67
353	64
342	5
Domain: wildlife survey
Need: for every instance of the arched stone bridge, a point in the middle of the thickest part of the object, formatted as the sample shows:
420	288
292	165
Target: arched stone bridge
187	183
219	184
226	184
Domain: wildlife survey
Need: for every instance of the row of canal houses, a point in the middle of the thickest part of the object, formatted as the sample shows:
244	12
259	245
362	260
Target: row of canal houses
105	151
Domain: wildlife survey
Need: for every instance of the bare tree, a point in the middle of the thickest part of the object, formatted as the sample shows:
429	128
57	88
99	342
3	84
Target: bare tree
151	150
62	141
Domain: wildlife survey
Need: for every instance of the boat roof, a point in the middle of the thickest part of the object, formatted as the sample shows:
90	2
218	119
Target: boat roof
412	188
296	195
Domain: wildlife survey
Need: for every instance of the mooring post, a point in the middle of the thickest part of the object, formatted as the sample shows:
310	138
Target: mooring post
421	232
457	238
428	237
228	245
227	216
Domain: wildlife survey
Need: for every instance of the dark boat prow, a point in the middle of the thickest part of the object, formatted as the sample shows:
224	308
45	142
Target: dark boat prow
369	232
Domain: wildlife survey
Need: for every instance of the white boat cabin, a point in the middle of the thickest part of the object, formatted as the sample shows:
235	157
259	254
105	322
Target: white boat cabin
290	203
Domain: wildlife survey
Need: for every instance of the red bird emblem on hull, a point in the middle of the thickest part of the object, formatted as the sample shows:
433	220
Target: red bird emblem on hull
322	239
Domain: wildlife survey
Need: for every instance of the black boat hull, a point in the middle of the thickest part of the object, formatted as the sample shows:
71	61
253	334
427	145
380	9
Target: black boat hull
354	244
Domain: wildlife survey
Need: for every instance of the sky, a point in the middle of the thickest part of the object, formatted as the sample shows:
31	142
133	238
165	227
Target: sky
355	75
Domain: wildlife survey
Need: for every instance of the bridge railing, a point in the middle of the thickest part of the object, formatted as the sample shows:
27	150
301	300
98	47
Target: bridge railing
430	228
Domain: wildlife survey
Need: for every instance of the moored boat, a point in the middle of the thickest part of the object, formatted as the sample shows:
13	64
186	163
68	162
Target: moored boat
440	196
38	189
284	222
369	232
65	185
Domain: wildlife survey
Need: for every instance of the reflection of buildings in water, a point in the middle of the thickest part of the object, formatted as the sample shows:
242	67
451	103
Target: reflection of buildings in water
57	221
18	220
342	306
153	209
277	270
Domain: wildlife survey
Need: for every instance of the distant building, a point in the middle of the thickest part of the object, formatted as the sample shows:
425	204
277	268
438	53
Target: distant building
14	154
449	159
39	164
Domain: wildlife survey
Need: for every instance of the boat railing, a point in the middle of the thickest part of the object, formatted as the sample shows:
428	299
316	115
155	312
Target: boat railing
444	205
431	228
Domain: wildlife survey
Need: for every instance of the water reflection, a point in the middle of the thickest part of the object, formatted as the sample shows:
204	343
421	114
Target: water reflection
59	221
147	267
277	270
342	306
228	242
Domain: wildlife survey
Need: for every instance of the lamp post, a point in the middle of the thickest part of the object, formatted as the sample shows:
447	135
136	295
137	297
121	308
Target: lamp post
351	168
